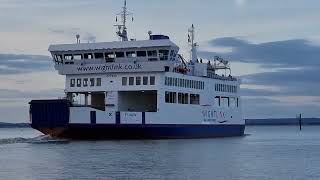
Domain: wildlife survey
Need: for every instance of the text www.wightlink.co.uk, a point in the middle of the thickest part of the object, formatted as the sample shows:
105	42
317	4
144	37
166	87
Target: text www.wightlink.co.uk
112	67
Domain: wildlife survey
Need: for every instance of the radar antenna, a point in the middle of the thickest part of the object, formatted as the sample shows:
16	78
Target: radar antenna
122	28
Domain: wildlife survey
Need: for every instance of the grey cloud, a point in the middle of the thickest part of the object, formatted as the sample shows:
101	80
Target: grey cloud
299	82
13	94
72	32
289	53
20	63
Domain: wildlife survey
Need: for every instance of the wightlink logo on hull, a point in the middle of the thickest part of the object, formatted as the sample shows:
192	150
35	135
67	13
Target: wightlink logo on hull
107	68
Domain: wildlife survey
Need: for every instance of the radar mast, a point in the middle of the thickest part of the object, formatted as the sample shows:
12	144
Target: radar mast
193	52
122	28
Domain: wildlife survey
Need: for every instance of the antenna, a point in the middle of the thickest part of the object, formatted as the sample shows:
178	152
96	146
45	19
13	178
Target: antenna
193	52
122	28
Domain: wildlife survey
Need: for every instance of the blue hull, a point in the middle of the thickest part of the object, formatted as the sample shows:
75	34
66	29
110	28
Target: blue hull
52	117
81	131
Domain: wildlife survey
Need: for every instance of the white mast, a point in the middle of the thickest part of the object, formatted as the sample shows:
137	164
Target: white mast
122	28
193	51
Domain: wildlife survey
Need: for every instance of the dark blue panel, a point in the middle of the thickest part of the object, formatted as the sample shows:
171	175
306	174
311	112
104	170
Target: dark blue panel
117	117
120	131
93	119
49	113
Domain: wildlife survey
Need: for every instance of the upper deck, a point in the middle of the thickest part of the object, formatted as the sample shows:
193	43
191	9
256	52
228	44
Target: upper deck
121	56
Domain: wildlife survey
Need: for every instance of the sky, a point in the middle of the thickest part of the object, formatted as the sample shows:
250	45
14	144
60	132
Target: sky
273	45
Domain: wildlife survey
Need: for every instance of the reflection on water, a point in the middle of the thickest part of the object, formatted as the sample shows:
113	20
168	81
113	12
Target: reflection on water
266	153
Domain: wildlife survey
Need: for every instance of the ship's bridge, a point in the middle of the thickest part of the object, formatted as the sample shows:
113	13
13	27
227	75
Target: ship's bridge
144	55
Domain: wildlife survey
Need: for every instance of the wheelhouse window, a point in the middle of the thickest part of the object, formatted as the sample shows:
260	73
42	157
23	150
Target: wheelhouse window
98	81
98	55
131	54
68	57
119	54
152	80
77	56
141	53
163	54
72	82
88	56
124	81
152	55
109	56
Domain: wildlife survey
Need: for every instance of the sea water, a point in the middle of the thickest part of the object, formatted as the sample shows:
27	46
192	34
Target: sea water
266	152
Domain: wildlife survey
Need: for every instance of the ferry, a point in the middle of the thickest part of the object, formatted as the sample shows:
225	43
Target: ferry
139	89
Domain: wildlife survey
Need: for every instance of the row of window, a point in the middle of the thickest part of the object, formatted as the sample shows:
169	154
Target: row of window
85	82
186	83
145	80
226	101
183	98
225	88
152	55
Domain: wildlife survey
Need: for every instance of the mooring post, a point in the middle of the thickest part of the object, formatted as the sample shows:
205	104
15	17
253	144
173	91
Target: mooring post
300	121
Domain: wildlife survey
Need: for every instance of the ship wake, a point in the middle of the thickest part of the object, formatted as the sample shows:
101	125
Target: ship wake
42	139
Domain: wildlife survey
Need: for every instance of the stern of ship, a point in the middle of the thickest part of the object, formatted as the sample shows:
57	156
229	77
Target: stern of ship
51	117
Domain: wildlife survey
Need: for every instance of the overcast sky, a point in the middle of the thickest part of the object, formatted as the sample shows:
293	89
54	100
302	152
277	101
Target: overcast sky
274	45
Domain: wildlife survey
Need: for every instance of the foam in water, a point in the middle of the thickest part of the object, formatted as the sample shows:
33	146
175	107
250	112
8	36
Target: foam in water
35	140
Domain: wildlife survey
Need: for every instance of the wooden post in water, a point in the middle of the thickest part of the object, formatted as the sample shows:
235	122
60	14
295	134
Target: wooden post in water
300	121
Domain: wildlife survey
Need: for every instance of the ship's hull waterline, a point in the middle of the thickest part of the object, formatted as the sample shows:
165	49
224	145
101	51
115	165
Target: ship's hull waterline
83	131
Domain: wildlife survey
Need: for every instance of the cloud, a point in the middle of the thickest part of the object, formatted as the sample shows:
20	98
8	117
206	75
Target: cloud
11	94
289	53
72	32
291	67
20	63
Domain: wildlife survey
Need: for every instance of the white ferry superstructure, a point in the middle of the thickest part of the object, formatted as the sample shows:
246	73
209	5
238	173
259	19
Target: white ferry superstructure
131	89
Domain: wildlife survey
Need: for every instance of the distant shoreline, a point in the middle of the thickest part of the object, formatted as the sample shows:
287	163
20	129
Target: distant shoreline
14	125
282	121
249	122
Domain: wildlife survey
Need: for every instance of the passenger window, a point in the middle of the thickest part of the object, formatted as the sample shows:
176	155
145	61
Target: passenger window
194	99
85	82
91	81
78	82
124	81
72	82
152	80
98	81
145	80
131	81
170	97
217	101
138	81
